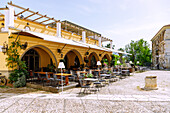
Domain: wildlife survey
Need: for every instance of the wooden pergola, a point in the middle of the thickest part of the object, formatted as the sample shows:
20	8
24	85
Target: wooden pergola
77	29
46	20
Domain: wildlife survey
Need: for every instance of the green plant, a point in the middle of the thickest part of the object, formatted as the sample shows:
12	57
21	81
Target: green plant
18	67
109	72
88	75
51	67
20	82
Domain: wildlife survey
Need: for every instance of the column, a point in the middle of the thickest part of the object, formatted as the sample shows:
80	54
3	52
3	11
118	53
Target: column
6	19
100	41
58	29
11	16
84	36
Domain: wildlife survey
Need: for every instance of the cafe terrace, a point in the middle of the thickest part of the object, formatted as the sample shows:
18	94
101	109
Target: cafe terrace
47	40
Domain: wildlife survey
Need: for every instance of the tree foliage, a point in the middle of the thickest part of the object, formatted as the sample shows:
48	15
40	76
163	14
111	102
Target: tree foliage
121	49
108	46
140	52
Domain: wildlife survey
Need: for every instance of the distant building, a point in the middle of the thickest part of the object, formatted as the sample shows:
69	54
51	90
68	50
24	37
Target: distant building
161	48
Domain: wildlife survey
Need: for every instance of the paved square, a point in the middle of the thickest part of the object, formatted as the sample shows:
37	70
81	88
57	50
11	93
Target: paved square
121	96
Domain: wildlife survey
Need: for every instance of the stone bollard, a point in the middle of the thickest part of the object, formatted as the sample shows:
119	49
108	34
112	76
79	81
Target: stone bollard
150	83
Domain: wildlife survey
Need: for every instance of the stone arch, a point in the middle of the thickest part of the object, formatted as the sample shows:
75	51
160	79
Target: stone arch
45	54
106	56
71	56
93	54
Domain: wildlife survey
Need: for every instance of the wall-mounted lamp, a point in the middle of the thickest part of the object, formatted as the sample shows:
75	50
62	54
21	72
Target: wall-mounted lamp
101	54
87	53
61	55
24	46
59	50
5	47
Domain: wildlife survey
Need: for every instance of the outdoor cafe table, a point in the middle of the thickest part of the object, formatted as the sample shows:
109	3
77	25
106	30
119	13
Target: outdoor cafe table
97	71
66	77
44	73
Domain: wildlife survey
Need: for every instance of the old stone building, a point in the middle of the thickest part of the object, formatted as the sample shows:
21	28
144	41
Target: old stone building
161	48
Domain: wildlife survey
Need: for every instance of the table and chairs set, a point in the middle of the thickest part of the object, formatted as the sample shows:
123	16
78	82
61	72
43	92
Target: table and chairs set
96	82
91	81
50	78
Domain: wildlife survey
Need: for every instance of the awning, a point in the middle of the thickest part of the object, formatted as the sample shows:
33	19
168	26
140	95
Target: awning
66	41
94	46
51	38
60	40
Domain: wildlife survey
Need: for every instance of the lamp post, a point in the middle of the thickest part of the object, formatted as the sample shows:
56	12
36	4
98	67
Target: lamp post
61	65
98	64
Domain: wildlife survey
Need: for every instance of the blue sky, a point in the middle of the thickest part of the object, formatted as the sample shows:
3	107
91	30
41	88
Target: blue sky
119	20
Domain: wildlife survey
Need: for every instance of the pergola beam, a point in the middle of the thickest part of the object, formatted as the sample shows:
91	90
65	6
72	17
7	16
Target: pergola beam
22	12
46	20
4	8
50	23
31	15
39	18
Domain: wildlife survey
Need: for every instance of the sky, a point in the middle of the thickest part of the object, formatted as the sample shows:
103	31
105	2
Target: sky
119	20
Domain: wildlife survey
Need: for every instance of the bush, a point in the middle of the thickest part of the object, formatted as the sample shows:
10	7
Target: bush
21	82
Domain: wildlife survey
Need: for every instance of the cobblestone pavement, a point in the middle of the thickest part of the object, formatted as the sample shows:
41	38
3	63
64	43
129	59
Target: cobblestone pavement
121	96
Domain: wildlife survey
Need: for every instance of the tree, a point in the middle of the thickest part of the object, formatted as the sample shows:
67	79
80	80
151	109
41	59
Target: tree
108	46
140	52
121	49
19	72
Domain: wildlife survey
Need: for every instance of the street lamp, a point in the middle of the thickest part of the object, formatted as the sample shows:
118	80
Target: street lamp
98	64
61	65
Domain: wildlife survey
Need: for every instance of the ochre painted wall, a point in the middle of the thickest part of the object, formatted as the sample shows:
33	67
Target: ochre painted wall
21	24
3	38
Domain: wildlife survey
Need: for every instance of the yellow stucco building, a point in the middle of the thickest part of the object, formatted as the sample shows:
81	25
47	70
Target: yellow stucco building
48	40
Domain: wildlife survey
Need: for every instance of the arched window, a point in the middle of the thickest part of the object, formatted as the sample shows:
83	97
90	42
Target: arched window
93	61
31	59
76	62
